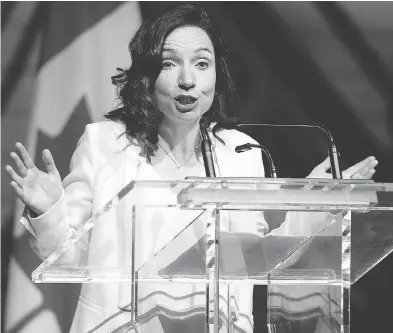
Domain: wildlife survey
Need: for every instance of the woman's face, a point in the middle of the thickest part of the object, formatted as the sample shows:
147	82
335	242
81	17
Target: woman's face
185	87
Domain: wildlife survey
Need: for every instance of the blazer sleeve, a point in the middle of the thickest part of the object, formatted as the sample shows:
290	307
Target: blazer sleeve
306	224
51	229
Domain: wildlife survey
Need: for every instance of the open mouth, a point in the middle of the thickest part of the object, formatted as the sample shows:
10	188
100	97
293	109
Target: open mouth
185	103
185	100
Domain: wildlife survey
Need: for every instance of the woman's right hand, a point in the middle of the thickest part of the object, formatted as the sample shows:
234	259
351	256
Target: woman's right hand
36	189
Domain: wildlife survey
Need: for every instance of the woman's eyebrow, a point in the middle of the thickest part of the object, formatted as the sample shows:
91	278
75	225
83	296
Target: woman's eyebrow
169	50
203	49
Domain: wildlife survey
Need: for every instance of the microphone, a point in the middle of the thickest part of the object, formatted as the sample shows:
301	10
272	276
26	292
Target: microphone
206	146
333	153
248	146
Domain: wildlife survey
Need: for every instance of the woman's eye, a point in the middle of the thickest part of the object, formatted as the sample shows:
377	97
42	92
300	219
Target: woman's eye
167	65
203	64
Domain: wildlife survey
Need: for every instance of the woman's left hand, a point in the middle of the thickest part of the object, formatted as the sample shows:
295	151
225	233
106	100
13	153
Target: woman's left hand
363	170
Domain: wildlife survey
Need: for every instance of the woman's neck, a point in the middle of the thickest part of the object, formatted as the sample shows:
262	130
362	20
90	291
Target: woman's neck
181	140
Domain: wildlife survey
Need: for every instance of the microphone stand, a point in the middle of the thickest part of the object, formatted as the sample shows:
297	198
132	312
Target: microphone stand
248	146
206	146
212	238
333	153
273	218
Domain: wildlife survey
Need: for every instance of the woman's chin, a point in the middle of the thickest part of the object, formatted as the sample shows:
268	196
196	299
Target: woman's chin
188	116
184	117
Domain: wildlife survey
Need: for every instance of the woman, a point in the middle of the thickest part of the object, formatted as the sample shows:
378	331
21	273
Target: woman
178	81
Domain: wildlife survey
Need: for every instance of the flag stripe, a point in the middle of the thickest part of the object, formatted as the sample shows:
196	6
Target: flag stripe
83	70
15	70
77	16
63	146
82	44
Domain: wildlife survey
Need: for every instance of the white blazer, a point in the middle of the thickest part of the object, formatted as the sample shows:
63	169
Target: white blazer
103	163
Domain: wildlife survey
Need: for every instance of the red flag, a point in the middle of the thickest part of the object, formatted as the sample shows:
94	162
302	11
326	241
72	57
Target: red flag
82	44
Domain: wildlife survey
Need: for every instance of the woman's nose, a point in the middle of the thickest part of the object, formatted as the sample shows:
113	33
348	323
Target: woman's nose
186	79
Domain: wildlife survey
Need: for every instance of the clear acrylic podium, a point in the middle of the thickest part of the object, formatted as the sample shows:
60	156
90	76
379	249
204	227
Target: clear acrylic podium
195	248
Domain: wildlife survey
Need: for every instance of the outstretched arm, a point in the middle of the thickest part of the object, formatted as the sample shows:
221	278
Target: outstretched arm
58	208
307	223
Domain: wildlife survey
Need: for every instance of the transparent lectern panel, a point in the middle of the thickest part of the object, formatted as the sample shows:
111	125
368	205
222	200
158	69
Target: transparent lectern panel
245	255
184	268
180	253
371	240
251	248
96	251
174	279
309	291
247	251
371	205
194	240
183	307
307	301
73	261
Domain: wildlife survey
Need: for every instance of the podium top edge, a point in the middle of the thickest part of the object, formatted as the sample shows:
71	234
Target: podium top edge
369	184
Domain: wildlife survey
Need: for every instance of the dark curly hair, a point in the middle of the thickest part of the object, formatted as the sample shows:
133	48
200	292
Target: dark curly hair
136	84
